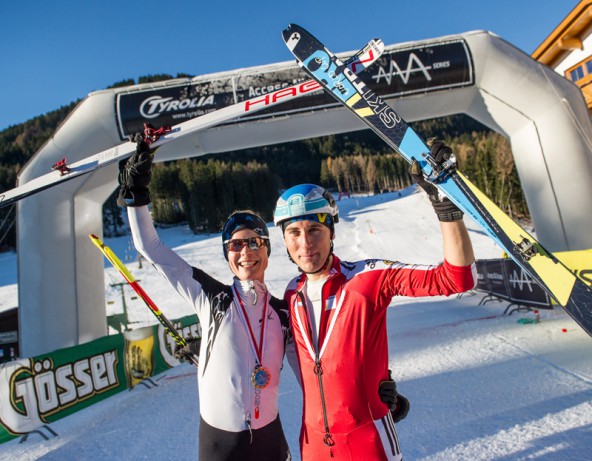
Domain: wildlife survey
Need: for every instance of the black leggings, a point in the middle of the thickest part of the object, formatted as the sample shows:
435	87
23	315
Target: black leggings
265	444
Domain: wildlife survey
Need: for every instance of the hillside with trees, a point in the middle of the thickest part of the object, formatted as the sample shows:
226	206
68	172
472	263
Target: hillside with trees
203	191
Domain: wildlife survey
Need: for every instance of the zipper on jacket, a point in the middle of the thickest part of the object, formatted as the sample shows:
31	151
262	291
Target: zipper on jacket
253	290
248	421
318	369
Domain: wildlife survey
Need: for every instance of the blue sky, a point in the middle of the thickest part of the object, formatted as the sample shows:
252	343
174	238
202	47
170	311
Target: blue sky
55	52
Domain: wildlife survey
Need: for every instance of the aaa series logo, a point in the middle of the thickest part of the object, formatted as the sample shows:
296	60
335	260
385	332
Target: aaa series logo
414	66
32	390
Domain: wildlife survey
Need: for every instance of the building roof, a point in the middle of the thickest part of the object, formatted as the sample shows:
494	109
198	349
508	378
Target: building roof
567	36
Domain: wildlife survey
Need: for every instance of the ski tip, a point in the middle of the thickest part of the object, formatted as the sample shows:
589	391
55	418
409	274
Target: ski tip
291	35
378	45
95	240
287	32
291	27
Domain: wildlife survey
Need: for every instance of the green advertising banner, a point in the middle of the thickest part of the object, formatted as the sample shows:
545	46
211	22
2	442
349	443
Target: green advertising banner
39	390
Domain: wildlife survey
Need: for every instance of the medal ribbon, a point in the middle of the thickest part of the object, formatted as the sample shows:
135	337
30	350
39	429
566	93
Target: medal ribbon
257	350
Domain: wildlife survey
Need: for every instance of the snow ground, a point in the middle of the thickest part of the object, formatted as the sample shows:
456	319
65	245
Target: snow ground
482	386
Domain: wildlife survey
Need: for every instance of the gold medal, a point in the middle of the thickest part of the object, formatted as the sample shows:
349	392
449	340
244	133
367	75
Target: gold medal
260	377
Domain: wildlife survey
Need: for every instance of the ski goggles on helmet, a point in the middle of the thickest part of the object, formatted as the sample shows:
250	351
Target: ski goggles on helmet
254	243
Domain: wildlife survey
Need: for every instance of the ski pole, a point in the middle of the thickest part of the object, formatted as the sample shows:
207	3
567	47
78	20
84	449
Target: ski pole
116	262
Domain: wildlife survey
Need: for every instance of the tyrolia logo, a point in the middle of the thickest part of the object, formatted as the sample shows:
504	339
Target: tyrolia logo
155	106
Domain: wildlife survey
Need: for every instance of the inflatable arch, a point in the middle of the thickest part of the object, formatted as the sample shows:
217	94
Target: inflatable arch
61	277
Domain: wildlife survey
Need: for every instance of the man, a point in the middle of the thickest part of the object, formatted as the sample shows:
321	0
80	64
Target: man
338	319
245	329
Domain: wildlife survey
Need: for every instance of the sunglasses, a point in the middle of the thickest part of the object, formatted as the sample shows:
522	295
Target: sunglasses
254	243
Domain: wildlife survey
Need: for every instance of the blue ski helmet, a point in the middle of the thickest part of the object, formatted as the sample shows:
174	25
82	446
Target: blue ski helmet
244	220
306	201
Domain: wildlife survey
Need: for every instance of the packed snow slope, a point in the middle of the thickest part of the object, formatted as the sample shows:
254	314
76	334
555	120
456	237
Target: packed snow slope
482	385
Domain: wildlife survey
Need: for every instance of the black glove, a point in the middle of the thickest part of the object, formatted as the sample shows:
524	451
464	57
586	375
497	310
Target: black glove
184	353
135	174
398	404
444	208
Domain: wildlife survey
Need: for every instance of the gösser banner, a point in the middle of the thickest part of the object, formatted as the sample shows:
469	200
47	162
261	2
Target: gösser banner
37	391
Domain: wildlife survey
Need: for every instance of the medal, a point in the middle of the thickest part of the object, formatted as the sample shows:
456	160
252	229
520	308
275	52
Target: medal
260	377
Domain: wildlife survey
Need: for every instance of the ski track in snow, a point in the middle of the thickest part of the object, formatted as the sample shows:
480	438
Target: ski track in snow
481	386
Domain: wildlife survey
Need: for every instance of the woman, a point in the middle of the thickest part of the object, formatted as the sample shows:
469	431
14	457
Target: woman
244	328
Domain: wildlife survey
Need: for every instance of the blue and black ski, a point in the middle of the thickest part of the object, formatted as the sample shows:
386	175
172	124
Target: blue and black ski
555	278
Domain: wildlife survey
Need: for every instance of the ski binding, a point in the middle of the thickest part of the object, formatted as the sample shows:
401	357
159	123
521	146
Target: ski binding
525	248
